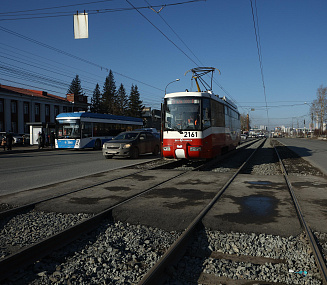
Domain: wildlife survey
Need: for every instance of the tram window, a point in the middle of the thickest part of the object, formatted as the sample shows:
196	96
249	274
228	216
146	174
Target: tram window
182	114
206	114
217	114
228	119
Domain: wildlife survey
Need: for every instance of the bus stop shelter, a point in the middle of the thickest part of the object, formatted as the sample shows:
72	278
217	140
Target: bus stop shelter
37	127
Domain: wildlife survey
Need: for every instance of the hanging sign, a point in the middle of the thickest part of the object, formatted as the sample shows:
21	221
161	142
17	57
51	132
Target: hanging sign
81	28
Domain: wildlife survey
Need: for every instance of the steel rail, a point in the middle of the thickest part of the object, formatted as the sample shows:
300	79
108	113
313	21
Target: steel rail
32	253
314	246
31	205
178	247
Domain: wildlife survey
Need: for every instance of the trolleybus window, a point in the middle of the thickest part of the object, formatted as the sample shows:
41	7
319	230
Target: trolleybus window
69	129
86	130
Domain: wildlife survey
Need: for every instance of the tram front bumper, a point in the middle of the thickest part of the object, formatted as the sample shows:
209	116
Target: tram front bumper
186	151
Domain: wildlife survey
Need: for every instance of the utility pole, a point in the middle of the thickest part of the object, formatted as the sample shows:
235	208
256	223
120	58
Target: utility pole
247	122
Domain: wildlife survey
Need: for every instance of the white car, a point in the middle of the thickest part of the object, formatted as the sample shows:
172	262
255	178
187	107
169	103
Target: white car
243	136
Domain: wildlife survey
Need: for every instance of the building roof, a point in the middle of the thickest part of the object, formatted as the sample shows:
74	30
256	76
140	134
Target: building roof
33	93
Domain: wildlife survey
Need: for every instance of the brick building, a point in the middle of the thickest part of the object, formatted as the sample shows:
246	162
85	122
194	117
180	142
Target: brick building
20	107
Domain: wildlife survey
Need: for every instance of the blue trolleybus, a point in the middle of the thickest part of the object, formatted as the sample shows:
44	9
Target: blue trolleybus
90	130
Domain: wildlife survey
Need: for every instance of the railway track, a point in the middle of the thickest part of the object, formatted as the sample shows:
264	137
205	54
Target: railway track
143	246
193	247
21	257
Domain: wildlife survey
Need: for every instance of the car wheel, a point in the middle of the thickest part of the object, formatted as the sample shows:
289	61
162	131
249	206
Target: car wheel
134	152
156	150
108	156
97	144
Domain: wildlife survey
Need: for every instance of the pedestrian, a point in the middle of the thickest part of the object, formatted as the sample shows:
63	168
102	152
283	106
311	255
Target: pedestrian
39	140
4	142
52	139
10	140
43	139
24	139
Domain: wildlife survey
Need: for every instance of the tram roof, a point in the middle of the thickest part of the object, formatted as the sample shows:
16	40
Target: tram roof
189	94
207	94
96	116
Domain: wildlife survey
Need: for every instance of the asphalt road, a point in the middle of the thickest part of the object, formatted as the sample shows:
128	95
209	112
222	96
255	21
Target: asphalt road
312	150
23	171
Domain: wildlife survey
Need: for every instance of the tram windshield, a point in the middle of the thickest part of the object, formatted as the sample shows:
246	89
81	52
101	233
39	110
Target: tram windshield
69	129
182	114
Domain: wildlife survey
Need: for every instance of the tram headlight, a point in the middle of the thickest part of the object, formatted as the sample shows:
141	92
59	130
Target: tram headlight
128	145
166	148
195	148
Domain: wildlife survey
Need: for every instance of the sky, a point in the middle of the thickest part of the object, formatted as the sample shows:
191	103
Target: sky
273	84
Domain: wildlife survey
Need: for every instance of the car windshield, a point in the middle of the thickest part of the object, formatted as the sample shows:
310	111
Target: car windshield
126	136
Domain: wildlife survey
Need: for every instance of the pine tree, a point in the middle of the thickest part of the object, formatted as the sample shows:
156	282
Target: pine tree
75	87
121	101
96	100
109	94
135	106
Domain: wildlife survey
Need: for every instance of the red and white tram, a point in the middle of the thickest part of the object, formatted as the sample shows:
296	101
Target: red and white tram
199	125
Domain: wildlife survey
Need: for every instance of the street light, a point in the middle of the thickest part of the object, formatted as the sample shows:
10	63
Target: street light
170	83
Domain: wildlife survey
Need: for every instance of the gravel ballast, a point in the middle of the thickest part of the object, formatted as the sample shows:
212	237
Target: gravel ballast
115	253
120	253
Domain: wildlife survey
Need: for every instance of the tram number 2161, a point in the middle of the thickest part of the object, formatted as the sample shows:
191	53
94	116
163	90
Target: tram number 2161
190	134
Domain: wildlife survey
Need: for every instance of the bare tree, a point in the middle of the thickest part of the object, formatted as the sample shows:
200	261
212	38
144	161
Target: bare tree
245	122
319	107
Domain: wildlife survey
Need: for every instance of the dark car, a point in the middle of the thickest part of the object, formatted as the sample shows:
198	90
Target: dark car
131	144
151	130
17	139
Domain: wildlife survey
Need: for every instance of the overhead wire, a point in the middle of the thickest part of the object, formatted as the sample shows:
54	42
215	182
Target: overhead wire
162	18
86	61
24	59
56	7
47	60
53	70
34	86
93	11
215	81
277	106
161	32
72	56
32	61
27	74
257	37
38	67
